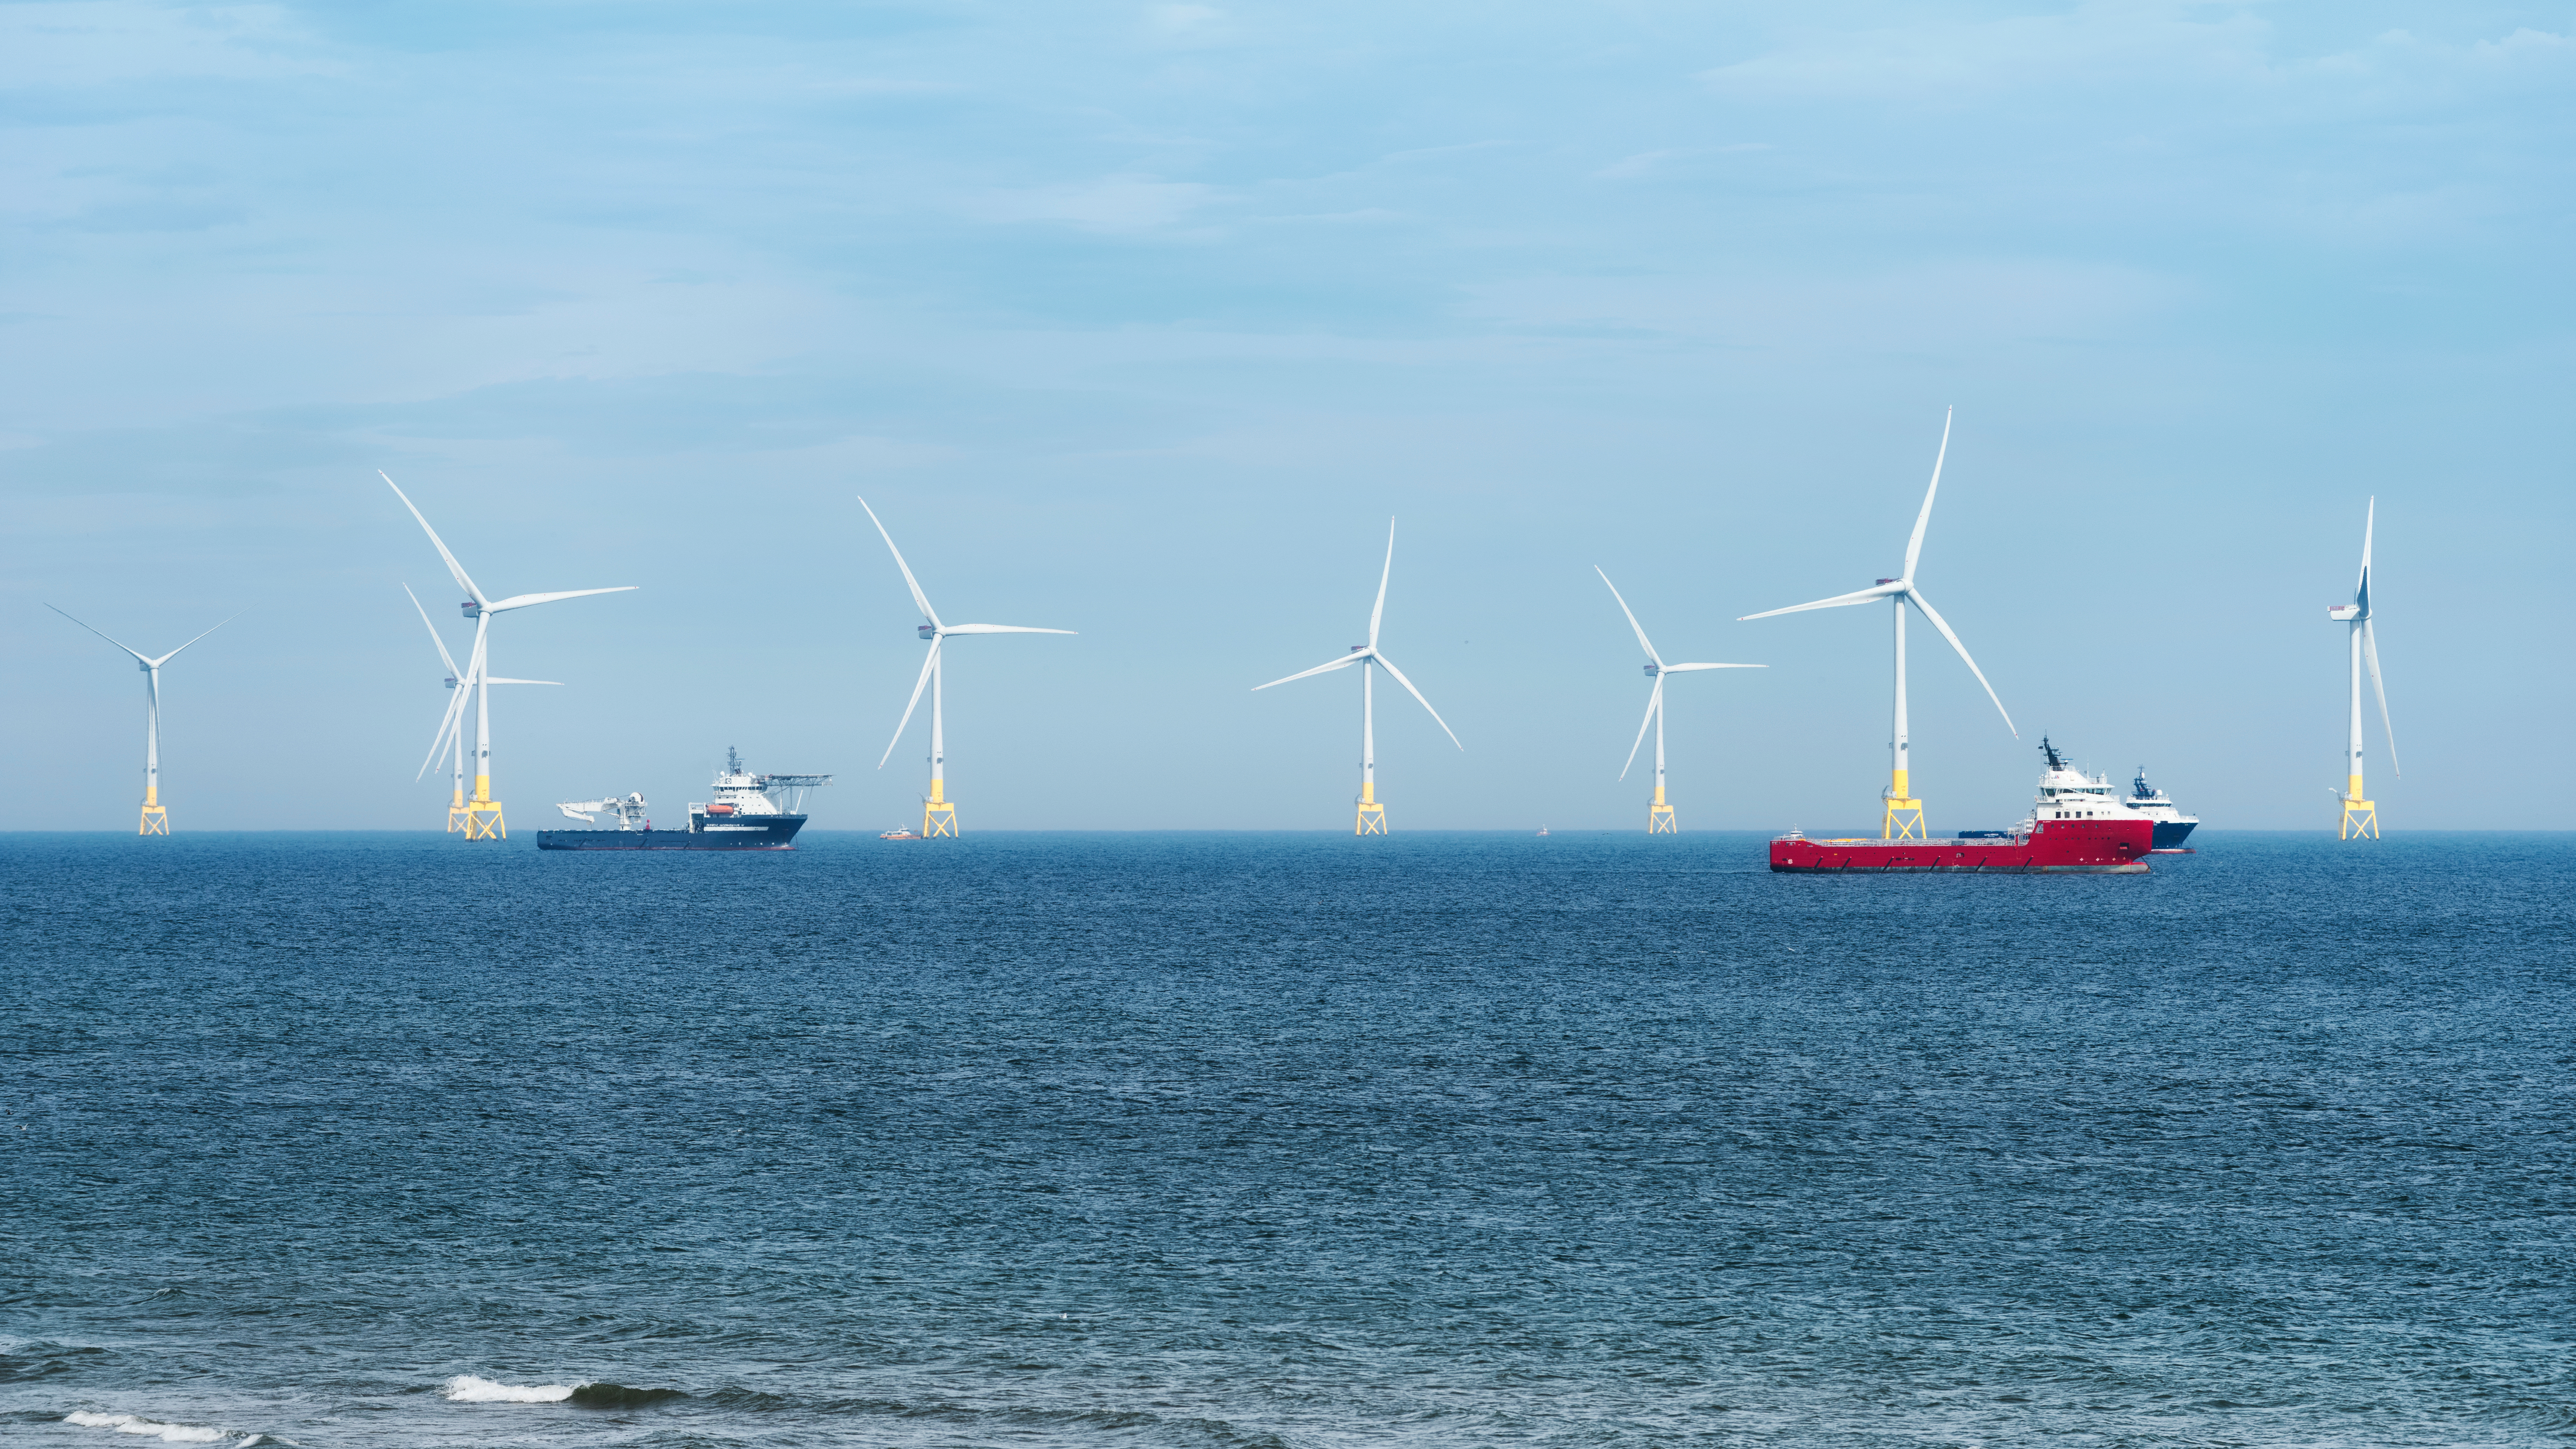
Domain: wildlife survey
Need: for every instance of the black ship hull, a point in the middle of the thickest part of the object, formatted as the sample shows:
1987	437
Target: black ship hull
742	832
2170	834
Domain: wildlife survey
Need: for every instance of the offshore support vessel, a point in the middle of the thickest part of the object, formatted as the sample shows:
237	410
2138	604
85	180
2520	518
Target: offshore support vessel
749	812
2078	825
2173	827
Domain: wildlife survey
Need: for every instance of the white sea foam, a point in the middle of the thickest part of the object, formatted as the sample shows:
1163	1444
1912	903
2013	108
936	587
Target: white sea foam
467	1389
135	1424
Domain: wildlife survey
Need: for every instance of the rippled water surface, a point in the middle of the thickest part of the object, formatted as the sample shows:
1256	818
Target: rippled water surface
382	1140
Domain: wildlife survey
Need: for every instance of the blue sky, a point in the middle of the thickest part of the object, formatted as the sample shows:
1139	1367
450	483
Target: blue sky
1142	320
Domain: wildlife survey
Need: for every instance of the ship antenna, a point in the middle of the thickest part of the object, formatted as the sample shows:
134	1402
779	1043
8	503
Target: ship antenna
2050	750
733	761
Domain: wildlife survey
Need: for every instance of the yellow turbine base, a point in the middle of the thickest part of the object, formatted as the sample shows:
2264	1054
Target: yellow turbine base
156	821
1904	821
1659	820
1372	818
2360	821
483	821
938	818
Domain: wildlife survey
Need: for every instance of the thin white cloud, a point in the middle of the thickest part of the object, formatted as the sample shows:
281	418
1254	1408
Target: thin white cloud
1189	26
1647	163
1932	307
2162	47
58	45
1964	62
1123	204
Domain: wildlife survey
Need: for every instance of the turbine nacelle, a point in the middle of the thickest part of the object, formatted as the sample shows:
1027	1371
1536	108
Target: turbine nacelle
926	631
473	608
2344	613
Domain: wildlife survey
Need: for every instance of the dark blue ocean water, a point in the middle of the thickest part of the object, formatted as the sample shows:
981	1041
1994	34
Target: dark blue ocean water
379	1140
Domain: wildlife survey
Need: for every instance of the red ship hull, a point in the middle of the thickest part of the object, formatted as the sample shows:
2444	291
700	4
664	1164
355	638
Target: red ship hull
2074	847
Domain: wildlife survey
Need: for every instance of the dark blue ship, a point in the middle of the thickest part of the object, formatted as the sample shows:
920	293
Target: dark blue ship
747	813
2172	826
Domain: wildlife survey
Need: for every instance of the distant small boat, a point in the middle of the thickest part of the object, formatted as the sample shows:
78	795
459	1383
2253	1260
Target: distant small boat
899	833
1542	830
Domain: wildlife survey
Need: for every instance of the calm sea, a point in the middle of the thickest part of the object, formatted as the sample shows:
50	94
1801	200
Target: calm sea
1191	1140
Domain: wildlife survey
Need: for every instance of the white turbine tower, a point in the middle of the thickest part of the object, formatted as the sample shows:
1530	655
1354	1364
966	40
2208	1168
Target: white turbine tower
938	813
1372	815
1659	816
449	732
1904	818
156	820
2360	816
482	812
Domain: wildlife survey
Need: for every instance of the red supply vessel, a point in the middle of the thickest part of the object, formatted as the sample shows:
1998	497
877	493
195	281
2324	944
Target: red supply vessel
2079	825
2099	847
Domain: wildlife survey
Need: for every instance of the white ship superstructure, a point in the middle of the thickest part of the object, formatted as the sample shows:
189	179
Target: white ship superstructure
2066	793
748	804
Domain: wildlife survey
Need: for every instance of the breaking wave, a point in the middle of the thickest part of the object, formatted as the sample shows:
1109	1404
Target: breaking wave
167	1433
468	1389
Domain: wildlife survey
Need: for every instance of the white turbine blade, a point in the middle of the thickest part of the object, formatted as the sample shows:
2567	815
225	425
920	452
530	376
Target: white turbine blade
173	654
909	582
453	719
1865	596
523	681
522	601
1687	668
2361	589
128	648
1943	625
1382	574
443	656
918	685
453	566
453	723
1633	624
2370	653
1654	701
1923	520
998	629
1345	662
1389	666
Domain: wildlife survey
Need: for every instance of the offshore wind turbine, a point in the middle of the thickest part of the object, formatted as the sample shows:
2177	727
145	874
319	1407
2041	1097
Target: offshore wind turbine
1904	817
156	820
482	812
1659	816
1372	815
448	731
2360	816
938	813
